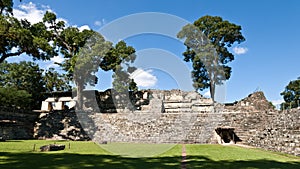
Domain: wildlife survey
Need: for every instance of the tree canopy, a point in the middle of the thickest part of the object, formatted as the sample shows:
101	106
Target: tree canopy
291	95
55	81
29	79
85	52
25	76
207	41
14	98
20	36
119	60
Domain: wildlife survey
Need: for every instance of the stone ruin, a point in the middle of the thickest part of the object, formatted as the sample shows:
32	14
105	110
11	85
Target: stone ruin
163	101
53	147
177	101
251	121
254	102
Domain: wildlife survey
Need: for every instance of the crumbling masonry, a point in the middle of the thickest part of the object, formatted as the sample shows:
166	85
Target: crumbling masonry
166	116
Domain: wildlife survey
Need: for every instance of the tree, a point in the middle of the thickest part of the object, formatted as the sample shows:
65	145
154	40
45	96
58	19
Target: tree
207	41
11	97
71	42
6	7
118	59
133	86
23	76
20	36
291	94
85	52
55	81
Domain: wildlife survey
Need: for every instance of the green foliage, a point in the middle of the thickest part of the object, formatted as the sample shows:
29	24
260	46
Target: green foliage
85	52
28	79
86	63
20	36
207	41
133	86
82	51
272	105
291	95
118	59
14	98
25	76
6	7
55	81
119	54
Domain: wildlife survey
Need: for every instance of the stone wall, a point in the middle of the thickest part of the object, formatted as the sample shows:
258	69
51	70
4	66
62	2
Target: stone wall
253	102
59	125
17	124
253	120
273	130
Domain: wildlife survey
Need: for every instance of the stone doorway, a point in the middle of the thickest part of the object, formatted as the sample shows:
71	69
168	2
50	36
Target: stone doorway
226	135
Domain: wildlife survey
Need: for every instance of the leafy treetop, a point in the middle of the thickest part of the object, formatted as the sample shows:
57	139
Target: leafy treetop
291	95
207	42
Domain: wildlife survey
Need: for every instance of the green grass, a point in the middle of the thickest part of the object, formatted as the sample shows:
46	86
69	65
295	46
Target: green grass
20	154
140	149
218	156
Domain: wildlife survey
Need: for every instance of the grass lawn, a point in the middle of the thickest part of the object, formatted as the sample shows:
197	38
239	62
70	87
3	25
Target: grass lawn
229	157
21	154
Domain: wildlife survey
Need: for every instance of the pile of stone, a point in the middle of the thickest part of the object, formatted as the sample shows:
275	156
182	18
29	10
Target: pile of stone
254	102
60	125
52	147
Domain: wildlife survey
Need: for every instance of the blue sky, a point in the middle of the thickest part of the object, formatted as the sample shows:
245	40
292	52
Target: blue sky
268	59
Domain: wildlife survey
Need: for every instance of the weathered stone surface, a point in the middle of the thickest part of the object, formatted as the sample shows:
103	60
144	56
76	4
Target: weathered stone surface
16	124
254	102
52	147
253	120
59	125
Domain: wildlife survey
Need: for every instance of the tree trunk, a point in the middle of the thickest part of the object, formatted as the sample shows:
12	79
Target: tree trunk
79	96
212	90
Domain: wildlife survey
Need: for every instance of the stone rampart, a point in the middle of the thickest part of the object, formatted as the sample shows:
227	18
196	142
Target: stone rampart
252	120
275	130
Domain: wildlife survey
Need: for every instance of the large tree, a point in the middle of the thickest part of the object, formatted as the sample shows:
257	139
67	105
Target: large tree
291	95
20	36
85	52
79	49
207	41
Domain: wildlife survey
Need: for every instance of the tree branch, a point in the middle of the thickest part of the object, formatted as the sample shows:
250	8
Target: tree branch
4	56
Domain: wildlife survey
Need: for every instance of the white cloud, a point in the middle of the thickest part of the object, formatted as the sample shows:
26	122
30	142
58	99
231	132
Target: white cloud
31	12
51	63
207	94
57	59
83	27
277	103
240	50
100	23
35	13
144	78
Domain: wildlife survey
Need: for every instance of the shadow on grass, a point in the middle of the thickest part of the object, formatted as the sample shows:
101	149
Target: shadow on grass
10	160
78	161
197	162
